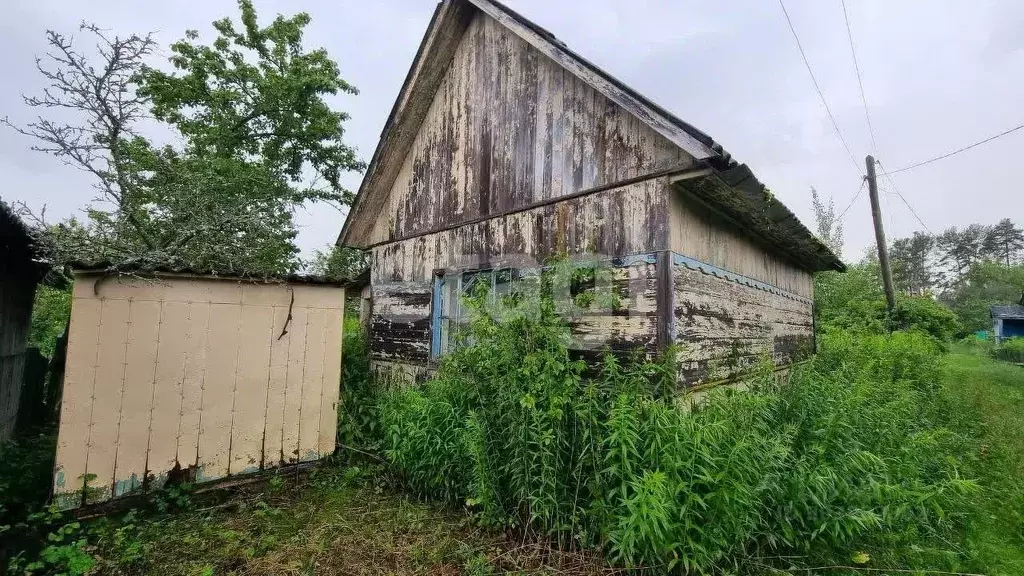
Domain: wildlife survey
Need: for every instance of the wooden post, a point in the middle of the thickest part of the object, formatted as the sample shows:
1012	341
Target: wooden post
883	250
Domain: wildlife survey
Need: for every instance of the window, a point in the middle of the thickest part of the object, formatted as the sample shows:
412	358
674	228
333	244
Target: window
450	311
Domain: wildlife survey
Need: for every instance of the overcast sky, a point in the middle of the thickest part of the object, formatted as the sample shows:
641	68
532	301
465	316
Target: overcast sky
938	75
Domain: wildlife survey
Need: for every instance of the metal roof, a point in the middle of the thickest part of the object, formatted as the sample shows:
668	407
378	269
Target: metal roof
1012	312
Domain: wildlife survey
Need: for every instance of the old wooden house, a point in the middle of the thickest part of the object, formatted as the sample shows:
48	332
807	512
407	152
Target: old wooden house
505	147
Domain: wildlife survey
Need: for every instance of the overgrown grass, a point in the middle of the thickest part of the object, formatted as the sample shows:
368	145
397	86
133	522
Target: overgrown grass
359	427
861	459
1010	350
995	391
337	520
851	461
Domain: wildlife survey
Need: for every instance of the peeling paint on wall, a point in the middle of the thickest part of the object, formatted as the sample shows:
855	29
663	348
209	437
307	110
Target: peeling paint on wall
724	326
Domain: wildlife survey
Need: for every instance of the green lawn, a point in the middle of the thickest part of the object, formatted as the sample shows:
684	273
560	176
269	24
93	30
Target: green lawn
995	391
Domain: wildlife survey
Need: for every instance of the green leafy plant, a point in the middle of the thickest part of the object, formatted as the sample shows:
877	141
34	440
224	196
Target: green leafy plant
50	314
359	428
1010	349
849	455
64	550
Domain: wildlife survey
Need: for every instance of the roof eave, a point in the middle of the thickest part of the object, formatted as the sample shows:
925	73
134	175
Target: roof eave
406	116
736	196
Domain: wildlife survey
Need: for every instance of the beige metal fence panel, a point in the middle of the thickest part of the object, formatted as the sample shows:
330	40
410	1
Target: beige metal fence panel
168	388
312	384
137	395
293	387
111	352
332	373
194	377
77	401
273	452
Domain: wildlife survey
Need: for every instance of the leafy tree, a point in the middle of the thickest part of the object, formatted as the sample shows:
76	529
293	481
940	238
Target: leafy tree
339	263
924	314
100	94
911	268
986	284
50	315
852	300
1004	241
256	97
258	140
830	227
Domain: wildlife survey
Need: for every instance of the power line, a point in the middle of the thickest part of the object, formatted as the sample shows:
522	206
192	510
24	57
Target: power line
957	151
900	194
863	181
821	94
860	82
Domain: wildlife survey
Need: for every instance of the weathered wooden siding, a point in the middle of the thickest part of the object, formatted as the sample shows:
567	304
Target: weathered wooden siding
699	235
17	289
509	127
401	329
725	323
633	324
628	220
192	376
631	219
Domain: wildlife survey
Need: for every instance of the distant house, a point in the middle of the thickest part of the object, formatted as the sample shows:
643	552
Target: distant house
505	147
1008	321
20	273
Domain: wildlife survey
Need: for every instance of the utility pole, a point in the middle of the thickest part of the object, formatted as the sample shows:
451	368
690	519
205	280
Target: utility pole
883	249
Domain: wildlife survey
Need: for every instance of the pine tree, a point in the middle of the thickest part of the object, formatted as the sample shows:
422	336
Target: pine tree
912	270
1004	242
960	249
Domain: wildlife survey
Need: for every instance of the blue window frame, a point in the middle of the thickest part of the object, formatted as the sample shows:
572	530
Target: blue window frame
449	313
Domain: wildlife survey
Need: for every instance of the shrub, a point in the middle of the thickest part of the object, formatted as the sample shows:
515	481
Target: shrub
50	314
849	454
358	421
1010	349
924	314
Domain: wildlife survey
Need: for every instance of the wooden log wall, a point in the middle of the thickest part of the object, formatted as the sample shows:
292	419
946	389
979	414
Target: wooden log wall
509	127
195	378
627	220
630	220
725	323
700	235
17	290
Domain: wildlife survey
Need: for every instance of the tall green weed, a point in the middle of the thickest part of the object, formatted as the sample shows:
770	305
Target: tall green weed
358	420
1010	349
847	457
